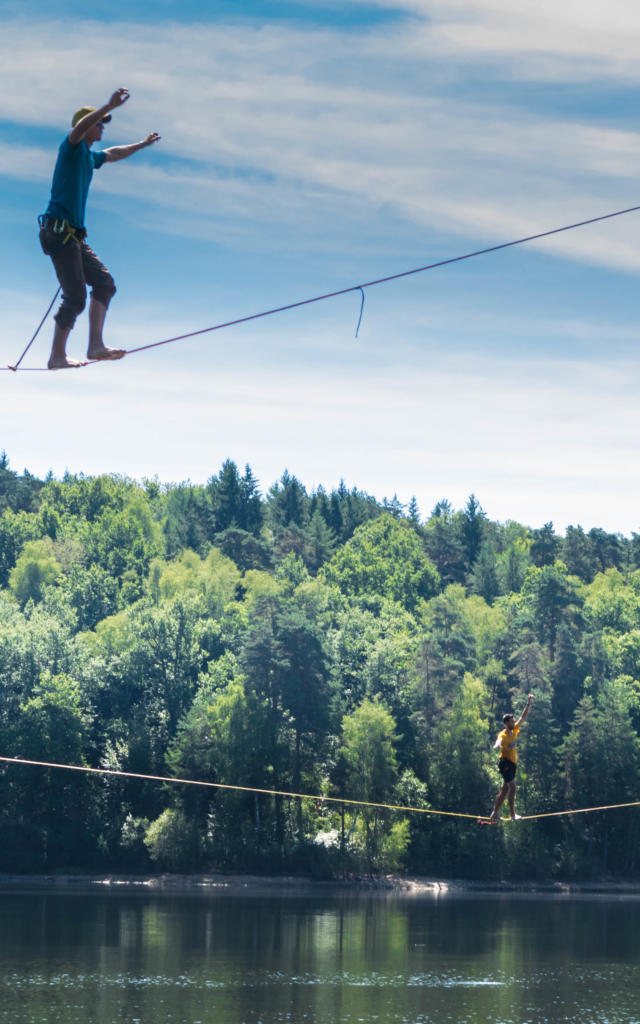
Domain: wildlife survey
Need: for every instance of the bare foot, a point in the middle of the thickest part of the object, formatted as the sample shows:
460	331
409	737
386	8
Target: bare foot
102	352
63	363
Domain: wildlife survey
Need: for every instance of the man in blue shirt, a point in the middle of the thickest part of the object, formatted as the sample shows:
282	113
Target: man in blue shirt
63	234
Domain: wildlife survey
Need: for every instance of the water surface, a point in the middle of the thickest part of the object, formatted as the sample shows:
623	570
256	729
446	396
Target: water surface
209	958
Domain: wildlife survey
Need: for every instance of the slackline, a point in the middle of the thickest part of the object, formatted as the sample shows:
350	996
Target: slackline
334	294
319	798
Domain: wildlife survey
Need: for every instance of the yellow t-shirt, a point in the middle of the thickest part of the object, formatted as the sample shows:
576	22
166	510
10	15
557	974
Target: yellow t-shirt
508	744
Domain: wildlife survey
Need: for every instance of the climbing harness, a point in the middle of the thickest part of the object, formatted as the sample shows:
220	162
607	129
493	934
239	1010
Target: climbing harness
59	226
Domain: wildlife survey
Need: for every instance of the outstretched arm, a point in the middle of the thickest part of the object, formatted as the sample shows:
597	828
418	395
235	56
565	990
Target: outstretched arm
121	152
526	710
86	123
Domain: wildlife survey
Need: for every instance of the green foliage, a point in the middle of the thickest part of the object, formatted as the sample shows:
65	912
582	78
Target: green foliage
484	577
384	557
50	809
512	565
544	546
15	529
394	846
553	599
312	642
36	566
473	530
612	601
368	738
52	720
173	841
215	578
17	493
93	593
445	544
371	771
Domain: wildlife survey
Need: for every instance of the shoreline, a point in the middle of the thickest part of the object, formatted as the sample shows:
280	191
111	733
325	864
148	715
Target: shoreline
288	885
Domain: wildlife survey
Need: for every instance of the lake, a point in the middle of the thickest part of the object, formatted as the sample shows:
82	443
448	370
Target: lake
209	957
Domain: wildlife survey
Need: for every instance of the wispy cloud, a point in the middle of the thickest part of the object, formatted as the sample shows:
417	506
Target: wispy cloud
529	39
422	138
248	142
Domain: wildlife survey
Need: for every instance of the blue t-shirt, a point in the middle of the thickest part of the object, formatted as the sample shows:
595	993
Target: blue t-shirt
71	180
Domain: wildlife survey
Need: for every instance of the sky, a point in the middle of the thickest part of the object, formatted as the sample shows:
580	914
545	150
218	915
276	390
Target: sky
309	147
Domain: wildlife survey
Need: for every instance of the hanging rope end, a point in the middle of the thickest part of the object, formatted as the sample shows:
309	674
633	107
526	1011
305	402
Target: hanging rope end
361	290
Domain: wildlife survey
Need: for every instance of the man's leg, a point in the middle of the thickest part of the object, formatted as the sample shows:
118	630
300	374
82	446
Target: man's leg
499	800
102	291
67	263
512	801
97	314
58	358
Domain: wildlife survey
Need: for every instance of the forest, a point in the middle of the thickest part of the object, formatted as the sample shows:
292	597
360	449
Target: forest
312	642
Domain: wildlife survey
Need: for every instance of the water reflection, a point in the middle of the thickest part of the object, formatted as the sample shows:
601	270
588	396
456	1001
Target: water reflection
136	956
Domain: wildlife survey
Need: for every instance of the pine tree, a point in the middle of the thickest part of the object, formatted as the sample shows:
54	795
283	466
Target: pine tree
252	514
226	497
413	514
473	519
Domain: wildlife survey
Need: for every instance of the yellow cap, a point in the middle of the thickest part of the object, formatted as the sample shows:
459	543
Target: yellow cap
79	114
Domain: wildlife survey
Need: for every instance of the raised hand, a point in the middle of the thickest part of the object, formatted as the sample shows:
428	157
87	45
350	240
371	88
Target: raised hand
119	97
150	139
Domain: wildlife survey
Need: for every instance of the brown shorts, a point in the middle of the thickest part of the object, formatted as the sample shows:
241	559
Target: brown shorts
76	266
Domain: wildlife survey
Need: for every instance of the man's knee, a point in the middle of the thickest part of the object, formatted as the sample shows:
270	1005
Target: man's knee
104	290
72	305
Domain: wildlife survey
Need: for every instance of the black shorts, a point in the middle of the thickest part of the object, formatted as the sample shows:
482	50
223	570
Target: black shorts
507	769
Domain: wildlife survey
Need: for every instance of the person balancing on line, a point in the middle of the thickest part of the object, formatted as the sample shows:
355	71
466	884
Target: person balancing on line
508	762
63	234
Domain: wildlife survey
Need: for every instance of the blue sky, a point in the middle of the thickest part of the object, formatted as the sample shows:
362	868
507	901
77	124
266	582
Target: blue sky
308	147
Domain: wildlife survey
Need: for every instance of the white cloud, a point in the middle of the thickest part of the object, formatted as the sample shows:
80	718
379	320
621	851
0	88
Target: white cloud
573	41
30	163
297	150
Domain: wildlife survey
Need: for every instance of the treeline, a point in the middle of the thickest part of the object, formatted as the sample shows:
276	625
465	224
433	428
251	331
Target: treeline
308	642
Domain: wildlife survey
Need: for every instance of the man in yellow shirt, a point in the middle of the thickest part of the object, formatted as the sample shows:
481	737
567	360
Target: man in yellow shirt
508	762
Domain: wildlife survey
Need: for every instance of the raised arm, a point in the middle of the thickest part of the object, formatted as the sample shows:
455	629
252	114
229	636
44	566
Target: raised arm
121	152
86	123
526	710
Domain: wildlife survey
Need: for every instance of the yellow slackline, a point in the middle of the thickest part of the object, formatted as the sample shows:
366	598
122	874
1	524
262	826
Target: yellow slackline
580	810
318	797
